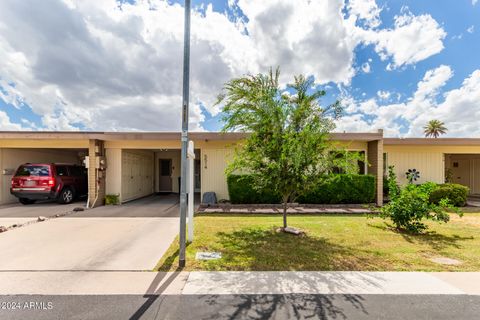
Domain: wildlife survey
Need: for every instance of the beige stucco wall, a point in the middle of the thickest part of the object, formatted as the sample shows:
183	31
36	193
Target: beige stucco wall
11	159
352	145
213	164
52	144
114	171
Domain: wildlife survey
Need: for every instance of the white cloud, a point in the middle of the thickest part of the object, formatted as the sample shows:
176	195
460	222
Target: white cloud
106	67
366	67
457	37
412	39
471	29
112	68
304	36
7	125
457	108
384	95
432	82
474	2
366	10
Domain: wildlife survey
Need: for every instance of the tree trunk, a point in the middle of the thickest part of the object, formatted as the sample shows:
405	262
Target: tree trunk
285	213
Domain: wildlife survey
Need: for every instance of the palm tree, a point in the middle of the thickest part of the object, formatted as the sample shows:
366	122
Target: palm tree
434	128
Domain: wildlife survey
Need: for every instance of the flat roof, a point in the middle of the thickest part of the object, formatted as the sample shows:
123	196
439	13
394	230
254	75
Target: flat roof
223	136
112	136
432	141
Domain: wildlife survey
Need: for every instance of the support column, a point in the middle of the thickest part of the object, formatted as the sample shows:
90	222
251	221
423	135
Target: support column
375	168
96	173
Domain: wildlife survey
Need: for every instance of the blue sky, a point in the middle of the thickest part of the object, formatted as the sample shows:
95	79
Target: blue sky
117	66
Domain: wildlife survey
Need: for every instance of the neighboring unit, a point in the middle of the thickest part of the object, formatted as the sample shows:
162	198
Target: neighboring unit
136	164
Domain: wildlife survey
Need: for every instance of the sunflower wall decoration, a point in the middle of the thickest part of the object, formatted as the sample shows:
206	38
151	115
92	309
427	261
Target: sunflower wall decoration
412	175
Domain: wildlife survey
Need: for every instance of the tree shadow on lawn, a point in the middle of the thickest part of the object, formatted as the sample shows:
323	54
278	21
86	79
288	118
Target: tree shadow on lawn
435	240
260	249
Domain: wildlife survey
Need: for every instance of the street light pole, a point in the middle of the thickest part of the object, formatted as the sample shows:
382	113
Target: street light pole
183	179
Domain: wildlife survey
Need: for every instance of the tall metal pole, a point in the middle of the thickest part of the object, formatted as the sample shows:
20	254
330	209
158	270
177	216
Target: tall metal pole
183	179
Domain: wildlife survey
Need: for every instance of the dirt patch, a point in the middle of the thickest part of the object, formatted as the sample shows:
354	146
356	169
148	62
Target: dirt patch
470	220
446	261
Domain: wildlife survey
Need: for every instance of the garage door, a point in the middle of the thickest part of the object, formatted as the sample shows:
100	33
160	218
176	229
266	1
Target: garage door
137	175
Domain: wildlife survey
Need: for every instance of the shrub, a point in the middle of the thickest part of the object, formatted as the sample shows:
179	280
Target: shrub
427	188
393	188
111	199
411	206
338	188
342	188
455	193
241	191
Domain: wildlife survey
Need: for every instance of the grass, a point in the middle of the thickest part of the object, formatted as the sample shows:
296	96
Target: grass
331	242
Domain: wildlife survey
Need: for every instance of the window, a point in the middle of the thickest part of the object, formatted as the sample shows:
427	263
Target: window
77	171
385	164
61	170
360	163
165	167
33	171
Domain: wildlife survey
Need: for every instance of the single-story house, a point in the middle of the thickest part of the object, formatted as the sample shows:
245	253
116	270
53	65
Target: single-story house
136	164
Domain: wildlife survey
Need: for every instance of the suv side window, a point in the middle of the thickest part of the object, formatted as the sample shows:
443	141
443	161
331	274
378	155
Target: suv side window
62	171
76	171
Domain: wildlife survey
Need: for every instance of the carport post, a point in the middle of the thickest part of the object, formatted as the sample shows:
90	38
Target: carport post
183	180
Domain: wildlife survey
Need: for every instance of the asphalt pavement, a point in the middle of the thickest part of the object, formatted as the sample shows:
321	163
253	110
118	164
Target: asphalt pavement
284	306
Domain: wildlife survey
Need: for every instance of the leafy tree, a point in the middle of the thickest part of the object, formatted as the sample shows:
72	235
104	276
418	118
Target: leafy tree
434	128
288	147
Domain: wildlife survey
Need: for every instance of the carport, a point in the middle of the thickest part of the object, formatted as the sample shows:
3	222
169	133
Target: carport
134	173
12	158
17	148
464	169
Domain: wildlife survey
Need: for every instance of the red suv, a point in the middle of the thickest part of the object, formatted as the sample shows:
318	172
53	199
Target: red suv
58	181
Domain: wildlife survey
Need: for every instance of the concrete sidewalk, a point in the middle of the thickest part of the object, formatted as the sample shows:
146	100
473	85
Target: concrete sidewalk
239	283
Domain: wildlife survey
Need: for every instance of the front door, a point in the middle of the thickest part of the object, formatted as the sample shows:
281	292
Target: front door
165	179
197	175
461	172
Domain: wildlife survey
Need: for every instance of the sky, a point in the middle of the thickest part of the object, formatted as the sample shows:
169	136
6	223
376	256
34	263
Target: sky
107	65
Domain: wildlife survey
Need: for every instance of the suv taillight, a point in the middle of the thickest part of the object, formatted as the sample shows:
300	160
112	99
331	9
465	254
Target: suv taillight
51	182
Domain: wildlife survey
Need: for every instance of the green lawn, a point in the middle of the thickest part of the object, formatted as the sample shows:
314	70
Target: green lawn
331	242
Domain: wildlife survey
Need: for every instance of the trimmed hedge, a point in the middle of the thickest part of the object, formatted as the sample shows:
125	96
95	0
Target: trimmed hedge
241	191
342	188
338	188
456	193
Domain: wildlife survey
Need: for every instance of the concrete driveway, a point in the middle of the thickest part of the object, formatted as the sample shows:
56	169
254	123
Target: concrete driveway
38	209
127	237
152	206
16	213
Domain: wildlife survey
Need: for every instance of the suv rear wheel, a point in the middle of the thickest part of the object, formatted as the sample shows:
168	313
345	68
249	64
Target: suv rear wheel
66	196
26	201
